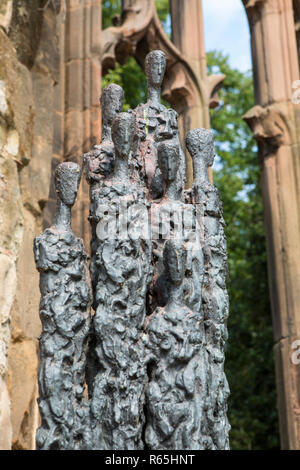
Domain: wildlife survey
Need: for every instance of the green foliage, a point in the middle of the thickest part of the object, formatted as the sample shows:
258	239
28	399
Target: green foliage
113	7
249	359
132	79
109	9
163	9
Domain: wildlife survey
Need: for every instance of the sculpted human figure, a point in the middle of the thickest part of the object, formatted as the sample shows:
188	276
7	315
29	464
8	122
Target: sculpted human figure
155	123
122	135
168	162
111	102
215	298
200	144
166	219
171	218
64	312
123	273
98	164
175	395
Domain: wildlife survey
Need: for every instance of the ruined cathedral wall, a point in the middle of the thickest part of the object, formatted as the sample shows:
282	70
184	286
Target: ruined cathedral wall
28	74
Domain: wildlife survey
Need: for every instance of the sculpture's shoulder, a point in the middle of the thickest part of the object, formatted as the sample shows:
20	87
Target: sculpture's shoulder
150	109
53	248
113	196
173	115
113	189
139	110
44	247
98	162
213	203
145	121
204	192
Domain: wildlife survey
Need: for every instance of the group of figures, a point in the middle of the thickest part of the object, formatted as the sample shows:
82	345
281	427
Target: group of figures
132	343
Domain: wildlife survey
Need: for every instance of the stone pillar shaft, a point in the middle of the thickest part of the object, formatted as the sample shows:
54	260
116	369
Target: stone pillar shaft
32	34
275	121
188	37
296	5
76	110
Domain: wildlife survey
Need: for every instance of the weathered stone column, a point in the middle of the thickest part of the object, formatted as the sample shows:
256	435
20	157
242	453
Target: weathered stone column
188	37
296	5
34	43
76	107
16	104
30	59
275	121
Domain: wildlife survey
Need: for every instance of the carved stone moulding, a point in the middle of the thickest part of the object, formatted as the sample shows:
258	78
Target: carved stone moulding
271	127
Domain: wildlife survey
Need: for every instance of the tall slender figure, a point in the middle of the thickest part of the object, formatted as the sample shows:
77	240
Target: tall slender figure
65	315
154	124
124	271
175	397
172	218
99	162
200	144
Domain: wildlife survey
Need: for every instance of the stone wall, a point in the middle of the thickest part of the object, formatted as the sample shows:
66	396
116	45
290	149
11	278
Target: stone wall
76	99
16	117
28	74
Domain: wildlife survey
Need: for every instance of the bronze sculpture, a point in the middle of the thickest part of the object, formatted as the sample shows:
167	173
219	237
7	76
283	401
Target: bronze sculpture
123	266
154	124
200	144
154	368
65	315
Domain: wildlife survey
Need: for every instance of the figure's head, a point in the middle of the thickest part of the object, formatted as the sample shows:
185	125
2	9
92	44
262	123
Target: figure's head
168	160
155	66
200	144
122	131
67	179
111	102
175	258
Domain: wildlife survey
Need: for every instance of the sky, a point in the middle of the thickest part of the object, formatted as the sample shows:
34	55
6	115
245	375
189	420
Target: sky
226	28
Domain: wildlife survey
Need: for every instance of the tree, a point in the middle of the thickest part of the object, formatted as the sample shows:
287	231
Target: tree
110	8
